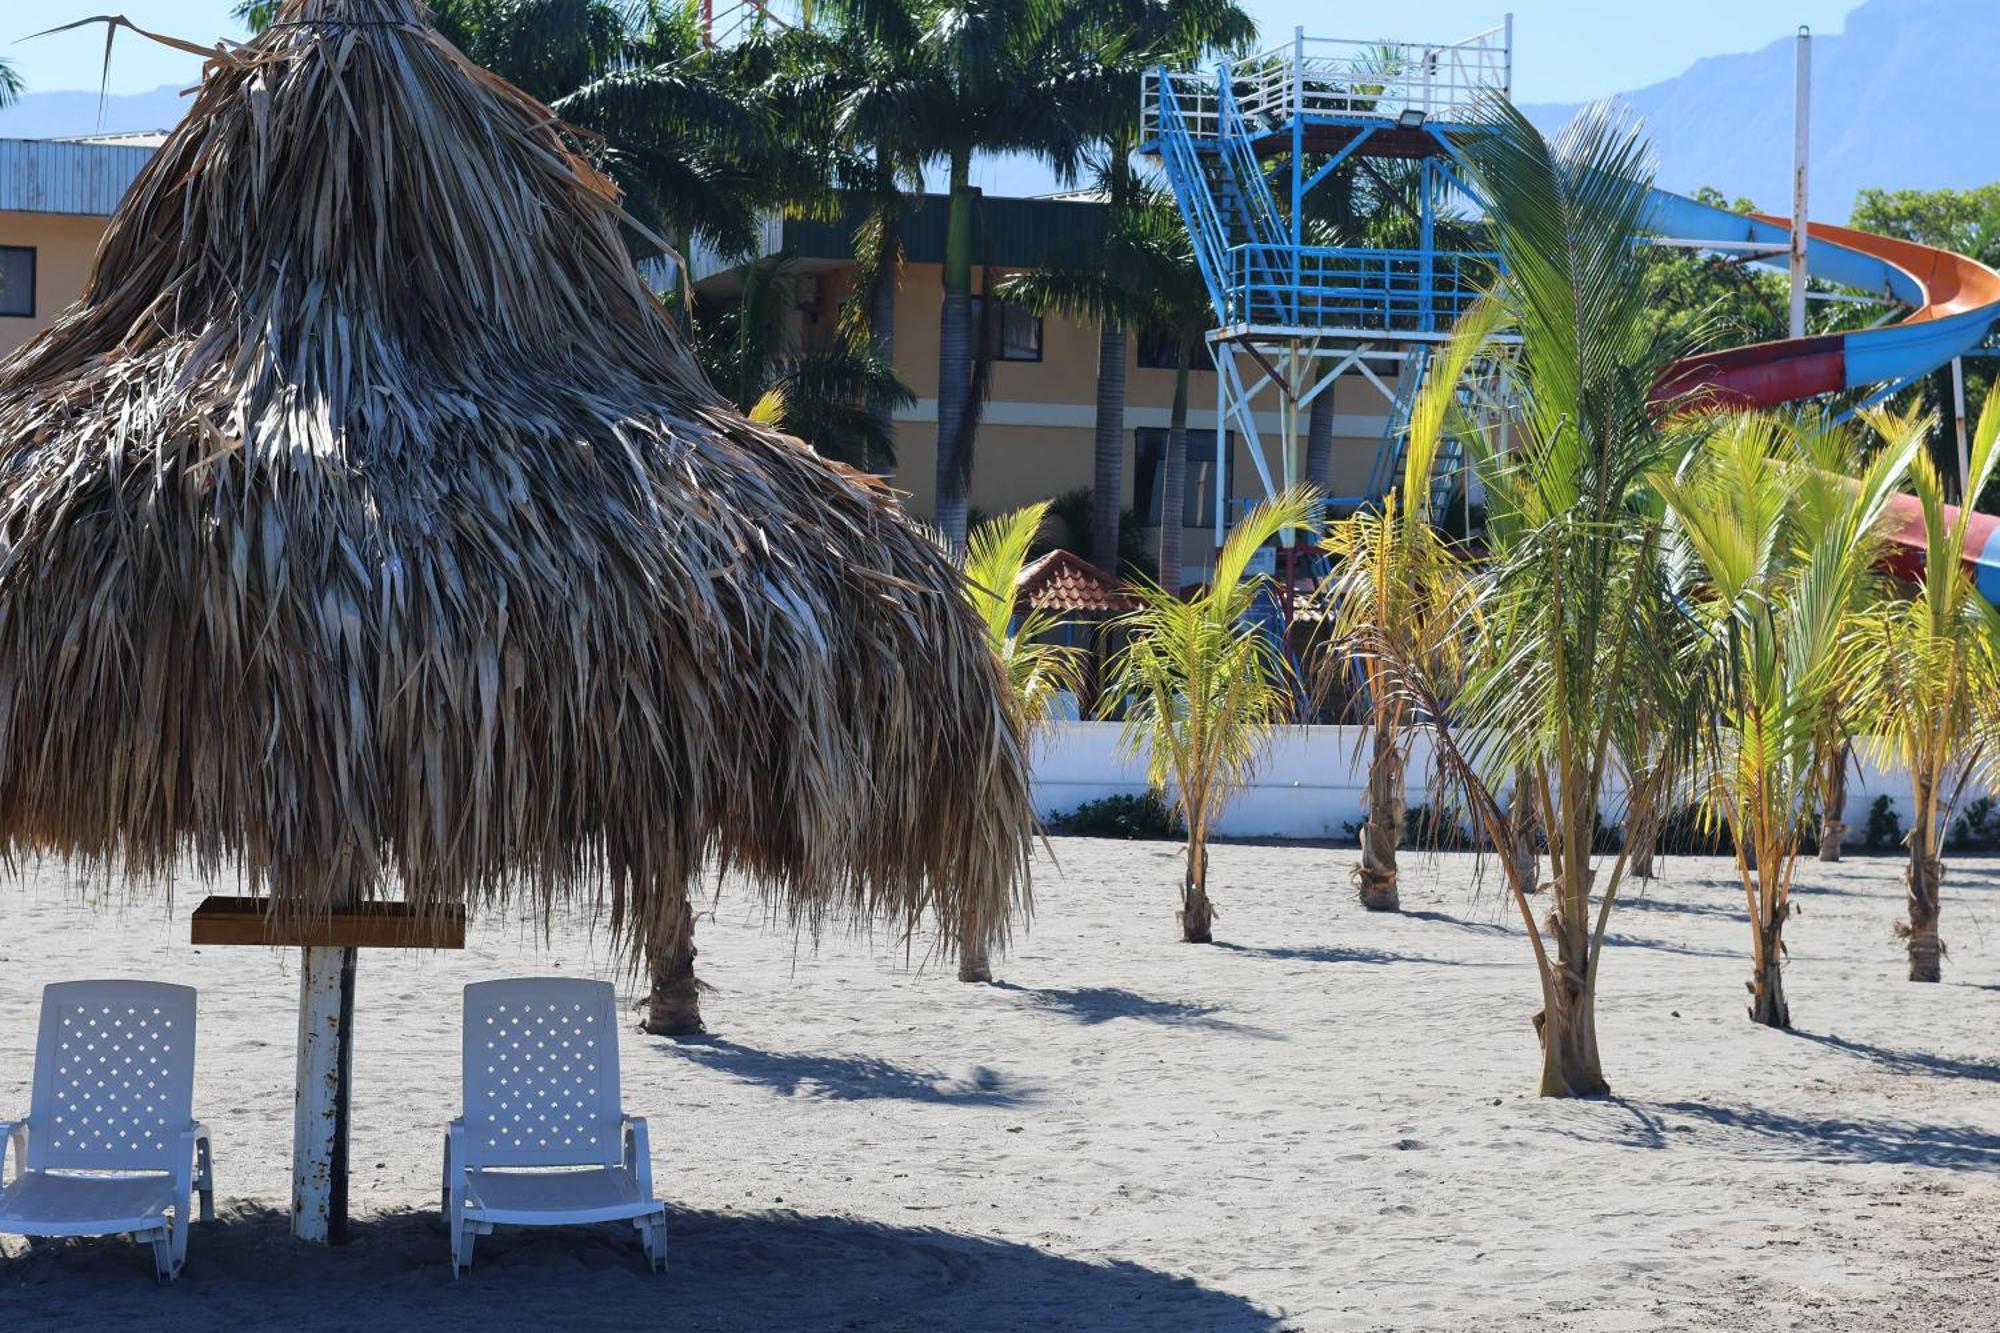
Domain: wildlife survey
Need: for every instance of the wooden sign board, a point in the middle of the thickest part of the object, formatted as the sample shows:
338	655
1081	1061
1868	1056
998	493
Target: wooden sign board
221	920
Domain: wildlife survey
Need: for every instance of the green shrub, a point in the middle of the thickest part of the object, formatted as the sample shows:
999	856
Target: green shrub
1978	829
1143	816
1885	830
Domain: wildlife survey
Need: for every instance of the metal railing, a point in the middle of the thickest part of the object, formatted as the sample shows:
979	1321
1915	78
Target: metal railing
1320	287
1338	77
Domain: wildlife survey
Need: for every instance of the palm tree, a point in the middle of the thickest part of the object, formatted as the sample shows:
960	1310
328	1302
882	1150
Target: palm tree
1574	625
1038	670
1123	39
1148	278
1395	574
833	395
1783	552
980	76
1928	668
1203	686
11	85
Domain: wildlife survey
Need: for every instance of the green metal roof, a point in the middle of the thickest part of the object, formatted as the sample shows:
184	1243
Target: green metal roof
1013	233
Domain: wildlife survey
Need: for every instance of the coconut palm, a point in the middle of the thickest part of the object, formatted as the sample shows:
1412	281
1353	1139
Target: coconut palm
981	76
1928	668
1784	552
1122	40
1148	277
1395	574
1575	626
1203	685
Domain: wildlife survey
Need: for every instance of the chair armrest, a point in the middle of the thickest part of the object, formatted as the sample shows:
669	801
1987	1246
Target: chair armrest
639	1153
14	1134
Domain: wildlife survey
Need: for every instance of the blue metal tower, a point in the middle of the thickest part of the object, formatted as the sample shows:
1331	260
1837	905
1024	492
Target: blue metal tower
1293	317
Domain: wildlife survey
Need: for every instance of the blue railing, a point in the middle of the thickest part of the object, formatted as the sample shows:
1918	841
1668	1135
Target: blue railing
1321	287
1182	161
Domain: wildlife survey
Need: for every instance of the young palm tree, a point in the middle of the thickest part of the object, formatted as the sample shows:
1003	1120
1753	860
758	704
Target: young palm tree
1783	552
1395	575
1928	668
1149	278
1038	670
1203	686
1575	627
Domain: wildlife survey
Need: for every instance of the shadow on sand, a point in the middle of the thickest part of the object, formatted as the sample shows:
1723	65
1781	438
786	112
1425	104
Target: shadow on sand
842	1078
1334	953
1757	1134
1091	1005
727	1272
1906	1062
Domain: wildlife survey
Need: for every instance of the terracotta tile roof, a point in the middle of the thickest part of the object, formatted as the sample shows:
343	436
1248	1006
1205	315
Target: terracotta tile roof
1066	582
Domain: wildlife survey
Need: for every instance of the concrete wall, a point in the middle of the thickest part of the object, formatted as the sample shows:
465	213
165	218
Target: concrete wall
1311	783
63	246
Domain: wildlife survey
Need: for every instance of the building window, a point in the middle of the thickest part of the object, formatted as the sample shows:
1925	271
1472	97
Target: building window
1013	333
1149	472
17	281
1160	350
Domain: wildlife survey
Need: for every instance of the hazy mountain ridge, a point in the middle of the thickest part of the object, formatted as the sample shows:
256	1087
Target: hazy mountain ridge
65	114
1904	97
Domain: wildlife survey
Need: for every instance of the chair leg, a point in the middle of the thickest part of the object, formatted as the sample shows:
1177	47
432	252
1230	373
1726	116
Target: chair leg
204	1179
653	1238
166	1266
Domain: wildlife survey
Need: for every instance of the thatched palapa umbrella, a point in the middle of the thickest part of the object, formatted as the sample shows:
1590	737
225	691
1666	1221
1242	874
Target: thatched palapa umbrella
368	526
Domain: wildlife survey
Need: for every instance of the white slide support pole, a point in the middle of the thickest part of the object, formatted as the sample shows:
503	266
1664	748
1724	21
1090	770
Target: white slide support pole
1958	422
1801	119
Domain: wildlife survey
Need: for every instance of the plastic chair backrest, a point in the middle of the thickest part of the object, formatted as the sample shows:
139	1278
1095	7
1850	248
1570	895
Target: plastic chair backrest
114	1076
541	1073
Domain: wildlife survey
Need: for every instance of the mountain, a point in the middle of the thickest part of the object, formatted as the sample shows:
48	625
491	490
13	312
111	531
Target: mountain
1903	98
54	115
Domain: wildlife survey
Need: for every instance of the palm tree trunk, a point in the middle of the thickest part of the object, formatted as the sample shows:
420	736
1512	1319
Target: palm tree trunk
1173	485
1197	914
954	447
1922	881
1833	804
1767	986
673	1009
882	306
1642	829
1568	1021
1319	444
1521	832
1108	470
1375	876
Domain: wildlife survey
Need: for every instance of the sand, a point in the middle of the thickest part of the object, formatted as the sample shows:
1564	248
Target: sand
1323	1123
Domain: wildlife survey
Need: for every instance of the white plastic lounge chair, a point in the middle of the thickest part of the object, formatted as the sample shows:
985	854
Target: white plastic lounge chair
544	1140
111	1146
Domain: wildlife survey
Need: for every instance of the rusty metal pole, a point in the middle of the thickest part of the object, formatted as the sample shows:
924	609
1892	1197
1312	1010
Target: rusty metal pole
1801	117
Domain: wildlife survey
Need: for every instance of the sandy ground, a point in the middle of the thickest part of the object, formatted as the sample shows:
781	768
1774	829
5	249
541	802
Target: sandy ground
1323	1123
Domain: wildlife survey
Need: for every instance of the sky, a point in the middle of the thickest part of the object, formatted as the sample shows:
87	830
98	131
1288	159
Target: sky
1564	50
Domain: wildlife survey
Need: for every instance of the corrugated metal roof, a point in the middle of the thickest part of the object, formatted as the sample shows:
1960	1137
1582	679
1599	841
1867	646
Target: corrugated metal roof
51	176
1015	233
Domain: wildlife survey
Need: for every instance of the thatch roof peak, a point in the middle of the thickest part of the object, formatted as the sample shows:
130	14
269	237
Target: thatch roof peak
369	522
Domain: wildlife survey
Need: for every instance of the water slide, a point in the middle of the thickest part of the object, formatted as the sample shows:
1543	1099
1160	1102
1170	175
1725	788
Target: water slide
1953	301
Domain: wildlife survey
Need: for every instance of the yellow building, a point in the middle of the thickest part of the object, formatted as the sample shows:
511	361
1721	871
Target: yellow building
1036	436
55	197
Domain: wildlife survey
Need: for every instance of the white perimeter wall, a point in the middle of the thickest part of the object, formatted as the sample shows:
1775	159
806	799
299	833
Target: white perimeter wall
1311	782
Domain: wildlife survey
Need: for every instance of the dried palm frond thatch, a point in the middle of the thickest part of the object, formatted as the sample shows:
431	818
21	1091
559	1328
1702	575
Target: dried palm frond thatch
369	523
